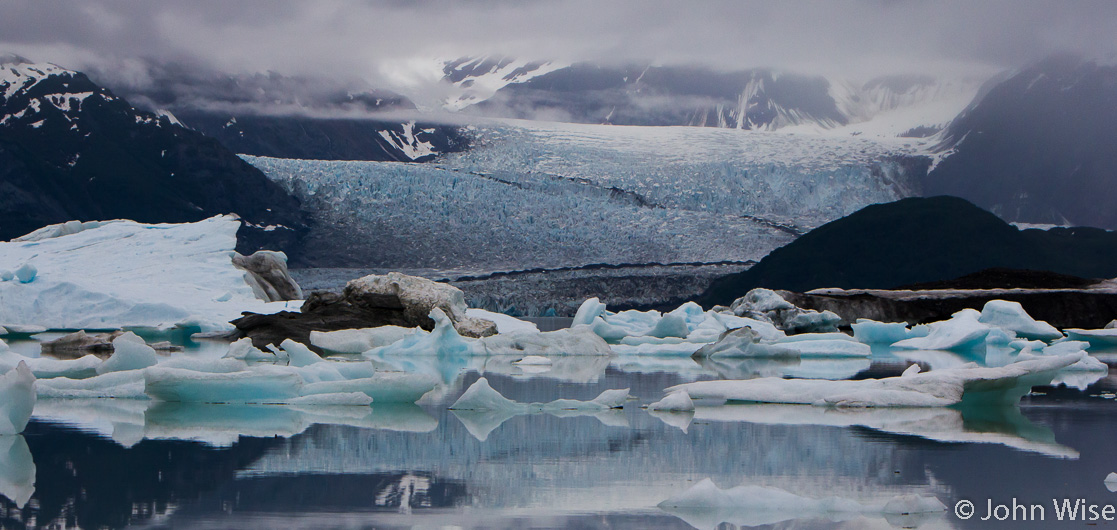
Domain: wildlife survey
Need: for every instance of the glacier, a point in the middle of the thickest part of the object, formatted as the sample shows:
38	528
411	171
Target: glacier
536	194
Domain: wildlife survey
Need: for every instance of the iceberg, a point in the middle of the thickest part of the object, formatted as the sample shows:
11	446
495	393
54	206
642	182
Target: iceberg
443	341
964	331
482	397
674	402
1011	316
744	342
1101	338
17	399
260	385
102	277
939	388
130	352
705	505
504	323
360	340
873	332
825	348
577	341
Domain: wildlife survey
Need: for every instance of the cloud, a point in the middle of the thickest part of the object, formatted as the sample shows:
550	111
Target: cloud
385	43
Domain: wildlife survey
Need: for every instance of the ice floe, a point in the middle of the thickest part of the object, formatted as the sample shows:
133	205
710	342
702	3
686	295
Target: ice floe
124	273
938	388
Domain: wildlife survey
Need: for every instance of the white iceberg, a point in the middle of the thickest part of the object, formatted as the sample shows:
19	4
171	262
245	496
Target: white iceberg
443	341
1101	338
705	505
576	341
504	323
826	348
361	340
482	397
962	332
124	273
1012	317
873	332
674	402
939	388
46	368
130	352
17	399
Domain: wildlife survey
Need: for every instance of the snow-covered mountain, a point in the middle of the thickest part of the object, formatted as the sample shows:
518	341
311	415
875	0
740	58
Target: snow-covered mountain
476	79
756	99
287	116
71	149
1038	145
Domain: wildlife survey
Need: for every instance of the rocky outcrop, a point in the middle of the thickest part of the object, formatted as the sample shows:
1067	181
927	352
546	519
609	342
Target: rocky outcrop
1062	308
419	296
266	272
372	301
81	343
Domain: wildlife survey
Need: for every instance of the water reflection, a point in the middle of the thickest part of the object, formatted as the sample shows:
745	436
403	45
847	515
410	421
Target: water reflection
114	463
17	470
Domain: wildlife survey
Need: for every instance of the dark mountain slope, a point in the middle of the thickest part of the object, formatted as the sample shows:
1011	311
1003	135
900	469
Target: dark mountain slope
919	240
70	149
1039	146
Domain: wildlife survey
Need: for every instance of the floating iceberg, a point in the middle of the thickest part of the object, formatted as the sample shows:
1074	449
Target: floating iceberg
939	388
482	397
674	402
504	323
964	331
577	341
443	341
360	340
705	505
482	409
17	399
1011	316
123	273
873	332
1101	338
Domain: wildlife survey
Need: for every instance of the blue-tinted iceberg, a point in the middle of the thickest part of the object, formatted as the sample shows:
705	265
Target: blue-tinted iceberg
938	388
1010	316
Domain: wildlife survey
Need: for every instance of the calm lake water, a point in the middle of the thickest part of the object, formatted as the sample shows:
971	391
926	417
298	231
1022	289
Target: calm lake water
122	463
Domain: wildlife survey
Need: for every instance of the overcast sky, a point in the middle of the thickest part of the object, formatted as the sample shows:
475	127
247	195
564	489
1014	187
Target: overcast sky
394	42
